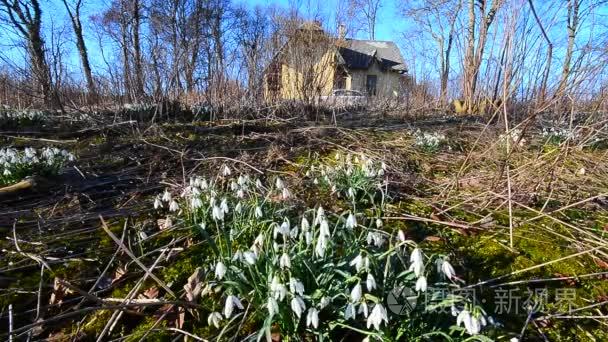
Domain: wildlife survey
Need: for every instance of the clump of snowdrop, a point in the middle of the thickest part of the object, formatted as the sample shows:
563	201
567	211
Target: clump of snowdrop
514	137
557	135
301	269
429	142
22	117
17	164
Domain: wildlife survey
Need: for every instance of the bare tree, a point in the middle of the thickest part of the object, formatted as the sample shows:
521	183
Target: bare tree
367	10
74	14
476	43
26	19
572	26
438	19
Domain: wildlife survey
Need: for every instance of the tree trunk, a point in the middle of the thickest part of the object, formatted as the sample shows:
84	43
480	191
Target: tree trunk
82	49
573	18
139	77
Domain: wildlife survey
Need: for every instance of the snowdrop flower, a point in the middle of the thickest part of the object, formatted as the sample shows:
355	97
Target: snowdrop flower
378	223
421	284
360	262
325	301
166	196
258	183
238	255
401	235
286	194
7	172
375	238
378	315
363	309
320	215
217	213
196	203
417	261
250	257
447	269
173	206
296	286
370	282
355	293
231	302
240	193
226	170
272	306
312	318
455	311
203	184
278	289
298	306
351	193
214	318
308	237
241	180
285	261
471	324
239	208
220	270
321	245
224	206
351	221
350	311
258	212
279	183
157	202
324	228
304	224
282	229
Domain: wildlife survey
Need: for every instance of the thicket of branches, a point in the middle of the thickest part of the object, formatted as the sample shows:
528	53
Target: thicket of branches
519	55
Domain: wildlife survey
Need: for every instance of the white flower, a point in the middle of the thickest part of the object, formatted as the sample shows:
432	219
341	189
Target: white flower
296	286
298	306
226	170
157	201
325	301
351	221
7	172
321	245
283	229
378	223
231	302
278	290
217	213
312	318
224	206
417	261
196	202
304	224
370	282
166	196
220	270
214	318
401	235
272	306
239	208
279	183
258	183
350	311
173	206
285	261
250	257
514	339
351	192
363	309
258	212
320	215
355	293
378	315
360	263
238	255
464	317
241	180
308	236
286	194
447	269
324	228
454	311
421	284
376	238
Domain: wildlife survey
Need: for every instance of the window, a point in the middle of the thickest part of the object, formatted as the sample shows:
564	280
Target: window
370	84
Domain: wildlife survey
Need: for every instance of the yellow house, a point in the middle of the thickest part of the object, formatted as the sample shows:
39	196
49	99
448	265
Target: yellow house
313	64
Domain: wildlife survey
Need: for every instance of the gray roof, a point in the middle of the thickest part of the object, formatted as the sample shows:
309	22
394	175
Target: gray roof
359	54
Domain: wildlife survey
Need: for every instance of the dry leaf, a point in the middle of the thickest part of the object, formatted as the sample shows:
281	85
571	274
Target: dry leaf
118	274
165	223
151	293
59	292
194	286
432	238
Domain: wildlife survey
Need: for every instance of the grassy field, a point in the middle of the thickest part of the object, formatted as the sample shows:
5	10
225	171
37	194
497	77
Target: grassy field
206	230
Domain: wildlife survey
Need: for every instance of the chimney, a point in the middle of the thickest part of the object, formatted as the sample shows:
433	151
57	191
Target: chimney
341	31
